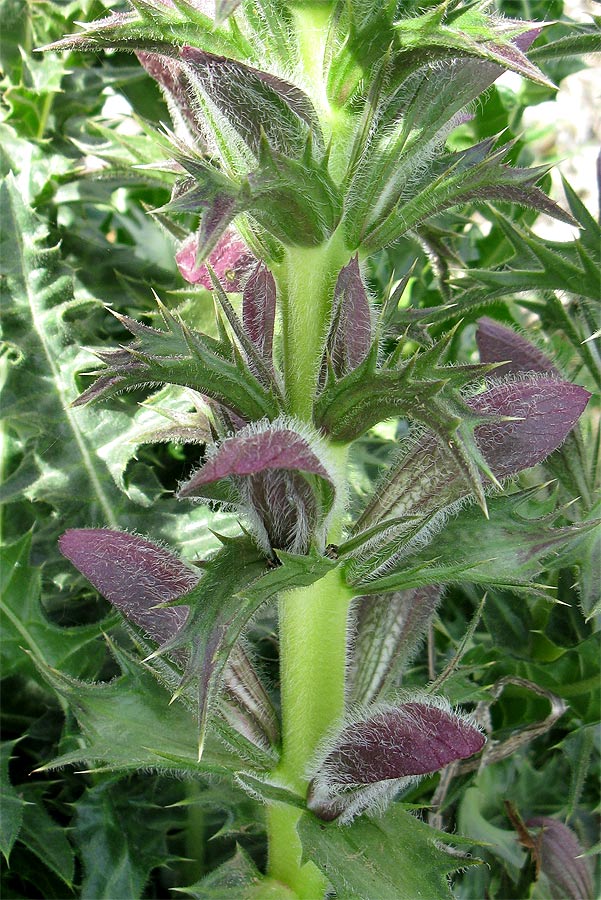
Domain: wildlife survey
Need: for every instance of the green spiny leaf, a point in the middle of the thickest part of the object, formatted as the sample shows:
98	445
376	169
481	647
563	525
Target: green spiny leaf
396	857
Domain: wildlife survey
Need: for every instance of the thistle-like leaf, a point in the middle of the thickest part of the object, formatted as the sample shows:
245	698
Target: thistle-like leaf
231	261
155	26
444	32
506	550
295	200
527	420
377	754
208	191
129	724
369	860
405	131
285	486
474	174
235	584
186	357
387	631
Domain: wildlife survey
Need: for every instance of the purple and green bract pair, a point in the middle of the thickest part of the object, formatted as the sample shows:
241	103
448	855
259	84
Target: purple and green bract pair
306	137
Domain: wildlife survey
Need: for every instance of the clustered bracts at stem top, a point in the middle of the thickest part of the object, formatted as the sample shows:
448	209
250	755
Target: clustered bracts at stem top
360	150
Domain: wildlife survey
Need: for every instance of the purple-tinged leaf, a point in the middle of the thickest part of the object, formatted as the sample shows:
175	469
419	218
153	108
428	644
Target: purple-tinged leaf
231	261
561	860
465	33
391	744
134	575
496	343
546	411
185	357
350	334
524	41
253	451
255	103
171	78
387	632
286	489
427	477
258	310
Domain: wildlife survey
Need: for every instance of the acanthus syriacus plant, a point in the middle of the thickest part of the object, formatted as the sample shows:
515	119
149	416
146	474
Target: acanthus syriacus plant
307	137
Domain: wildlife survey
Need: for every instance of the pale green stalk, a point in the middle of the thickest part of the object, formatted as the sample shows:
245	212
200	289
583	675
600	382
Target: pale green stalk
312	620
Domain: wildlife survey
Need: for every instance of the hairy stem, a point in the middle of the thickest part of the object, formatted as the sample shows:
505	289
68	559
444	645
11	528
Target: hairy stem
306	281
312	628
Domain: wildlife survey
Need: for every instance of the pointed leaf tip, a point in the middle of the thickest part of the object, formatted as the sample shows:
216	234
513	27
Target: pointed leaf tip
543	410
133	574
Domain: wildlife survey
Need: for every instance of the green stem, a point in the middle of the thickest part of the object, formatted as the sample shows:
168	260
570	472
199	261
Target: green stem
306	281
313	642
313	619
195	834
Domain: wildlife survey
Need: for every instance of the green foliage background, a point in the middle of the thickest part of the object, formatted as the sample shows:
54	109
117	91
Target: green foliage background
76	236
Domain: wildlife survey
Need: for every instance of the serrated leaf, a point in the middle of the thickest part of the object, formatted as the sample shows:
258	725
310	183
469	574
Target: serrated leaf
181	356
408	129
507	549
11	803
470	32
237	879
39	296
395	857
121	837
184	22
129	724
235	584
474	174
45	837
